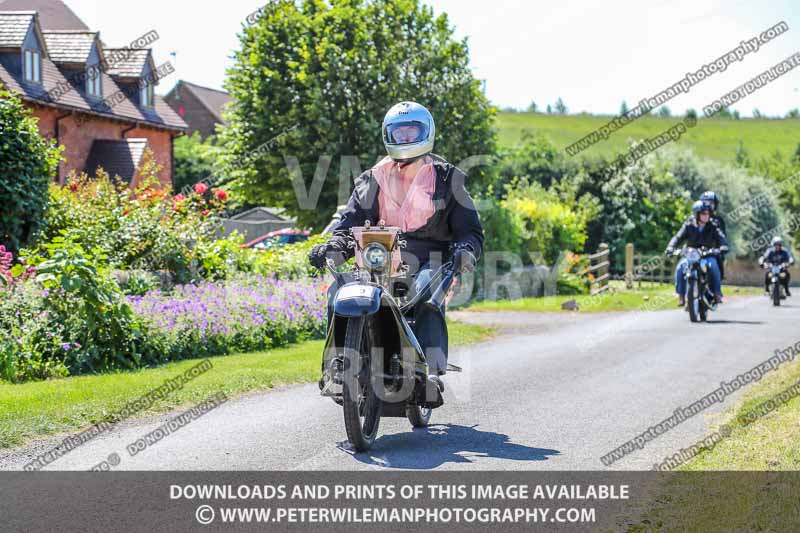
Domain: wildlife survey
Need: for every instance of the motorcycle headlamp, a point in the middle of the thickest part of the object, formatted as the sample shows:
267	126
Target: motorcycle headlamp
375	256
692	255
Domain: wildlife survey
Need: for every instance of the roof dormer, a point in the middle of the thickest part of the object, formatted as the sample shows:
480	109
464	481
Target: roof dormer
133	69
81	53
20	30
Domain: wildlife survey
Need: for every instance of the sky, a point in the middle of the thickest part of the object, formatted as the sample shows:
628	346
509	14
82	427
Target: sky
592	54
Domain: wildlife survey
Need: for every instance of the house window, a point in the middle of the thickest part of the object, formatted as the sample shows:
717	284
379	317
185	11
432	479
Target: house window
94	85
33	66
146	94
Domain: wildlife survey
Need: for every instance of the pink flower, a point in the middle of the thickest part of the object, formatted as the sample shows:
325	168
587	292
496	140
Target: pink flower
200	188
179	198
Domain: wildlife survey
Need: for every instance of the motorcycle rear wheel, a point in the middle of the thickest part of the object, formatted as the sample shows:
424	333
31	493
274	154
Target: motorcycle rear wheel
361	405
419	416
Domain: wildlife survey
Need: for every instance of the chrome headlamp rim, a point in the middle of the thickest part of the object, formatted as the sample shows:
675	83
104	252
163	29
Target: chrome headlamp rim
372	264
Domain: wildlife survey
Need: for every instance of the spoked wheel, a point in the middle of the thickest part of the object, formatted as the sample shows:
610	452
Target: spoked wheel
419	416
362	406
693	300
776	294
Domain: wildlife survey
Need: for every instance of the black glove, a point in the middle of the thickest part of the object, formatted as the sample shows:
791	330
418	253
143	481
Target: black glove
463	259
318	255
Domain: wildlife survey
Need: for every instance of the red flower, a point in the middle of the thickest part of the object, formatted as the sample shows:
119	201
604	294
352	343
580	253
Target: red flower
125	212
73	187
221	195
200	188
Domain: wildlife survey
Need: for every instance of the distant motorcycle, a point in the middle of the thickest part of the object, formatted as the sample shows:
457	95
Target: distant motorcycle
373	365
777	273
699	297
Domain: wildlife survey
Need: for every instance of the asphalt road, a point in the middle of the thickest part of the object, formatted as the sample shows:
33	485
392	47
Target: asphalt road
552	392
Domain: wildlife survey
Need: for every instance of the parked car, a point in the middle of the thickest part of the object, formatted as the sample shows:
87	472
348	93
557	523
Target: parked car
278	238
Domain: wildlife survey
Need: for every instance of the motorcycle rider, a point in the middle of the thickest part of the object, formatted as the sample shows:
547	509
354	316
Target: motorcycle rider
711	199
699	232
776	254
423	195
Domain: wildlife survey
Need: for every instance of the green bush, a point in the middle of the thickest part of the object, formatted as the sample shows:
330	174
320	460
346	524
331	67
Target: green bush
28	163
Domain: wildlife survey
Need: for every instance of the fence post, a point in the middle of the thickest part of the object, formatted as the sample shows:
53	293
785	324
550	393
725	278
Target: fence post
629	265
604	271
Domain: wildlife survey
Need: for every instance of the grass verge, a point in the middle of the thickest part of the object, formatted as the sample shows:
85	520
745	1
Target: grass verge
656	298
766	446
32	410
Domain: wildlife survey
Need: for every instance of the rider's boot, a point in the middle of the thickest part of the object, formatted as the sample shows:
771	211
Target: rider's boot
681	300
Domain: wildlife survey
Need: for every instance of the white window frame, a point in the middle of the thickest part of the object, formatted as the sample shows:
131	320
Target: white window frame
94	85
32	66
146	94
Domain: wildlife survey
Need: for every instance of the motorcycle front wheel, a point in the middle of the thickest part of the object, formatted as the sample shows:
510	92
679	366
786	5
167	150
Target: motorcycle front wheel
361	405
693	300
776	294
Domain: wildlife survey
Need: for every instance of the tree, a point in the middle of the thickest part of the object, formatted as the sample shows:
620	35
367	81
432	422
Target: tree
194	161
533	108
561	109
549	109
742	155
691	113
664	111
312	83
757	113
794	113
28	163
736	115
623	109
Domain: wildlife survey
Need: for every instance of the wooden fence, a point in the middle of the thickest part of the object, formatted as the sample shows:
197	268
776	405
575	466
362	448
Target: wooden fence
599	267
648	269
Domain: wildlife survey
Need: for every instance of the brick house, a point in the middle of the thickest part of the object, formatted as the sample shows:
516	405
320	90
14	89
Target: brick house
200	107
95	100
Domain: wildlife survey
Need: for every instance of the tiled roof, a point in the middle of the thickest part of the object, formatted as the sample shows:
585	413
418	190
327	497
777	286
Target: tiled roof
69	46
14	27
53	14
117	157
126	62
64	90
213	99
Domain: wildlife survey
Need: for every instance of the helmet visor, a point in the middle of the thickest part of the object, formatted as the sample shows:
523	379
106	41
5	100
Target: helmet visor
409	132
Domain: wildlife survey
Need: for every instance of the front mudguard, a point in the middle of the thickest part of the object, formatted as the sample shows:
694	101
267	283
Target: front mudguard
357	299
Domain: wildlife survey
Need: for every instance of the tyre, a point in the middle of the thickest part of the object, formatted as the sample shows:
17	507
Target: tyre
776	294
693	300
361	405
419	417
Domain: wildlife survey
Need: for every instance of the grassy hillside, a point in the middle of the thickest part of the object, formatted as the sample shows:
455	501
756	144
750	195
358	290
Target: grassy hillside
711	138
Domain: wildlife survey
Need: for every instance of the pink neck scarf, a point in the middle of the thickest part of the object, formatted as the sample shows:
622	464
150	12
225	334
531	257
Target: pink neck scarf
413	211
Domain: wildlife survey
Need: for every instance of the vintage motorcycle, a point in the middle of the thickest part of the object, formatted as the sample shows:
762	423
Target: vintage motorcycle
699	297
777	273
373	364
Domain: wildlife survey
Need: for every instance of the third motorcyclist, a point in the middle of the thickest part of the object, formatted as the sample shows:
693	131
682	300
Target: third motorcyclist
776	254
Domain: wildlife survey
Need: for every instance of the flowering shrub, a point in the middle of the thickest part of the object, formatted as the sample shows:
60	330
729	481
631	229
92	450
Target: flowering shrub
243	314
146	228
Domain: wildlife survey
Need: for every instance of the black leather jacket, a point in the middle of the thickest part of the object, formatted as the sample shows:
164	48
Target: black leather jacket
772	257
711	236
454	222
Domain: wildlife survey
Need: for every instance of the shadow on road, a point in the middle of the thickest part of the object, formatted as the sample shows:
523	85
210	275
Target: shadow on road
748	322
427	448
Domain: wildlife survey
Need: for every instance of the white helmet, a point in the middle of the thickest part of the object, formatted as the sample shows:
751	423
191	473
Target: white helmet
408	132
